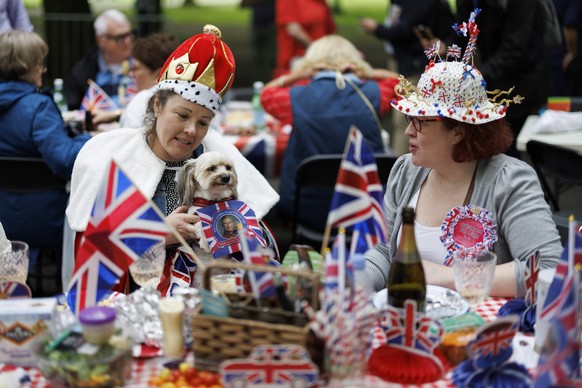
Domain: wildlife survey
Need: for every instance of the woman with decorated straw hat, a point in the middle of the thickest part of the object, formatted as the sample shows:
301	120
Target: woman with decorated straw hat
178	119
456	173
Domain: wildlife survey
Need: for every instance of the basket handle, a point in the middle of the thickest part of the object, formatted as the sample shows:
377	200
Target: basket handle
314	278
303	253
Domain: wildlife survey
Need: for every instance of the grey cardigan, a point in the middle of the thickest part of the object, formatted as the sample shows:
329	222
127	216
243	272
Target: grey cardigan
507	187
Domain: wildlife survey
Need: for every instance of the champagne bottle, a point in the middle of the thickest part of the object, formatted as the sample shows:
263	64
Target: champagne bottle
406	279
58	95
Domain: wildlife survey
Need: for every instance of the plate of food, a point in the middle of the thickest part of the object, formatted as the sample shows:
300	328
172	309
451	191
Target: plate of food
441	302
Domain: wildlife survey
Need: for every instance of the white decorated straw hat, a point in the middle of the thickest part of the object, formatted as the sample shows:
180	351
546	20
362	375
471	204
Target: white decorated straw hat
453	89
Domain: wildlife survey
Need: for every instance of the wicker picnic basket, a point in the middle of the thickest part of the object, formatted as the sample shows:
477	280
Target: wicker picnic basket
216	339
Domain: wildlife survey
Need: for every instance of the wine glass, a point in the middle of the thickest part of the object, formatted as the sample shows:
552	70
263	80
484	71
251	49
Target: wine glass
473	272
147	270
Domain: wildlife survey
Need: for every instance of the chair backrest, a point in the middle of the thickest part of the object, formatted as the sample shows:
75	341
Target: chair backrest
320	171
563	165
27	175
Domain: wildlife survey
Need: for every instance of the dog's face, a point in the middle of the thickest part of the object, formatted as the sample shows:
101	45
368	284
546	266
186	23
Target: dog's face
211	176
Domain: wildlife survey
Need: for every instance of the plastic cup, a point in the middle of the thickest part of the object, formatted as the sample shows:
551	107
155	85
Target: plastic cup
473	273
14	263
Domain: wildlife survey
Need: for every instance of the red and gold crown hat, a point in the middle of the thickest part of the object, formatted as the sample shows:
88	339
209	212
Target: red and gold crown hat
201	69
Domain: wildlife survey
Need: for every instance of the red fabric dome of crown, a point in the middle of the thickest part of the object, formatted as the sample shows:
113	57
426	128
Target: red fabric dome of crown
202	60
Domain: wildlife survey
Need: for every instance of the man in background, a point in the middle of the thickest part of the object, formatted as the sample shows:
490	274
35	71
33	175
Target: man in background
114	36
13	16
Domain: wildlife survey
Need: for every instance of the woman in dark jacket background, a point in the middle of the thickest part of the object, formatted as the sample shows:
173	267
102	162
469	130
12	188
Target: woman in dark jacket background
31	126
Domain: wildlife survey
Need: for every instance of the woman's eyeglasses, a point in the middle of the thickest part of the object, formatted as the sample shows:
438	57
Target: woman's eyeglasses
417	123
121	38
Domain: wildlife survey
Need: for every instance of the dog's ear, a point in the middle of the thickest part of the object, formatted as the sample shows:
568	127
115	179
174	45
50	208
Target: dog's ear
187	184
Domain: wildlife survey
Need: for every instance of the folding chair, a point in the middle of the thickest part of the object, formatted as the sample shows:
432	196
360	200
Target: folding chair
32	175
320	172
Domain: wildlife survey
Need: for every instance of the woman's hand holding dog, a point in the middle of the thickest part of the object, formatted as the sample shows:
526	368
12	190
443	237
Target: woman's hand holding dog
183	223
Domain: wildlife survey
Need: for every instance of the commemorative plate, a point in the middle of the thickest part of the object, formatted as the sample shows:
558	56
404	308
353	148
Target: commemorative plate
440	302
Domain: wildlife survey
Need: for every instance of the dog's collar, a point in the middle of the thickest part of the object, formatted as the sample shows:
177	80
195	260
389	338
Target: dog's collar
202	202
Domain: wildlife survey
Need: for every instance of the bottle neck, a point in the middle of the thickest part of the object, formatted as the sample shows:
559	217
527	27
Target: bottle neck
408	243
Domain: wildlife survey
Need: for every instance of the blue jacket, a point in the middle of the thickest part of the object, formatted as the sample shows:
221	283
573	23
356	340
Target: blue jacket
322	117
31	126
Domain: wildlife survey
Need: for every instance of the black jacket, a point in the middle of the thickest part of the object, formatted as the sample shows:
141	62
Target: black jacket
510	50
75	84
408	51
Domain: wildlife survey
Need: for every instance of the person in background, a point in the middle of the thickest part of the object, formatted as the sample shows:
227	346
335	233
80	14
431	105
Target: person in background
103	64
405	21
455	174
299	22
32	126
566	62
321	99
149	55
511	53
177	128
263	36
14	16
149	15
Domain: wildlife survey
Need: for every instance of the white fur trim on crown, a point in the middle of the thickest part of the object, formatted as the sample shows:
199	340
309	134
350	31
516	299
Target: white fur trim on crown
450	89
195	92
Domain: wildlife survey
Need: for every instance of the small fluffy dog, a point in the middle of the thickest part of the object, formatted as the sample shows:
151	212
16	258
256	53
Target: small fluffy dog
203	181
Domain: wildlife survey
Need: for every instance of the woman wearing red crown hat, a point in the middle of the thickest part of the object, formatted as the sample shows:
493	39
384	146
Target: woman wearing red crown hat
465	191
178	127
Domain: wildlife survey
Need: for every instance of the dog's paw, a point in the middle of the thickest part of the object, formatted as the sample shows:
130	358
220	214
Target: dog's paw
202	241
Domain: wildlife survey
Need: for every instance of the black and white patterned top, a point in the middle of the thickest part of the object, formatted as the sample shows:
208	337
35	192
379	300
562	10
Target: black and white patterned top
169	182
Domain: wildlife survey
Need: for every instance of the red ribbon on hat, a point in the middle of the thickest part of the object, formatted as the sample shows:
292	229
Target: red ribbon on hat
434	84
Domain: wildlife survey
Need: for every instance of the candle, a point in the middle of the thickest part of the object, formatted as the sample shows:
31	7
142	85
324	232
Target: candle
172	318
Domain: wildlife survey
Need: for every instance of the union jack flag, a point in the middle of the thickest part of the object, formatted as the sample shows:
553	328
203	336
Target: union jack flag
211	217
262	283
361	239
566	262
264	151
331	271
454	51
123	225
358	191
96	99
432	51
494	343
532	270
13	290
182	272
559	361
408	329
277	365
335	263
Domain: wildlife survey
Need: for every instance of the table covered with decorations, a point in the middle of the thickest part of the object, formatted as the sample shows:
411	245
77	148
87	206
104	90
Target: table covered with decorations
146	370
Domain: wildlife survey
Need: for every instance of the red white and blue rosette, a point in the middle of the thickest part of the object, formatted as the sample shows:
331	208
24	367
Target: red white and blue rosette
14	290
467	227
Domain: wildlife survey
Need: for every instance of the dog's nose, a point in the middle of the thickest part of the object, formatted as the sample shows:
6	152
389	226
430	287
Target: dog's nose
225	178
